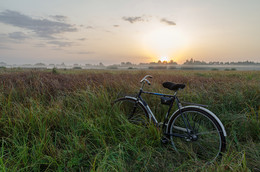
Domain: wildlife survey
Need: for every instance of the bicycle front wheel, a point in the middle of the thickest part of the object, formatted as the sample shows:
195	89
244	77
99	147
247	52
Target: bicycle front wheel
134	111
196	133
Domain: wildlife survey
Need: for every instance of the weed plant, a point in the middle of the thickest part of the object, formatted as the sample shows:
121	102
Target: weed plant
64	120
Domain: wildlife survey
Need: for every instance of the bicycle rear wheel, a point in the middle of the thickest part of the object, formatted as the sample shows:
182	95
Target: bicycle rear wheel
196	133
134	111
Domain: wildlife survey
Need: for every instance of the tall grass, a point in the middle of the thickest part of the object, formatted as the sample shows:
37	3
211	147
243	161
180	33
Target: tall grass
64	121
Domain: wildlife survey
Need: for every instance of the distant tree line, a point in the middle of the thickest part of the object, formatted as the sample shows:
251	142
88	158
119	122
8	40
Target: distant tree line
126	64
129	64
197	62
171	62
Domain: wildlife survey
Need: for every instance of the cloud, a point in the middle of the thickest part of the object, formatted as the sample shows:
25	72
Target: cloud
5	47
82	52
18	35
168	22
133	19
86	52
59	18
89	27
57	49
82	39
108	31
39	45
60	43
42	27
115	25
3	37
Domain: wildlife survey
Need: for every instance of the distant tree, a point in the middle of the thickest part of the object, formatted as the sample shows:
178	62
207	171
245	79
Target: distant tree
172	62
122	63
203	63
188	62
112	67
39	64
157	67
77	67
128	63
195	62
159	62
101	64
3	64
199	62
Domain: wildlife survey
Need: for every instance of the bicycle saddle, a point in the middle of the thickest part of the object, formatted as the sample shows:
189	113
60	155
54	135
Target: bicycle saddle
173	86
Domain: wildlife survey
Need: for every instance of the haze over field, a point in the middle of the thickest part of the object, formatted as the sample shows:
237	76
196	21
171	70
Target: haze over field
93	31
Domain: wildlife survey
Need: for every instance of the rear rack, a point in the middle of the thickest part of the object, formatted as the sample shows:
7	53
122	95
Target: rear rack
188	103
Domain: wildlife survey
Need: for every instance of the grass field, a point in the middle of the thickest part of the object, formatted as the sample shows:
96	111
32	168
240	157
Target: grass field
64	121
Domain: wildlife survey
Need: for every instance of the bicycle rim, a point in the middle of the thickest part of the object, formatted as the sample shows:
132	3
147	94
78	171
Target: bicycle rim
202	140
137	116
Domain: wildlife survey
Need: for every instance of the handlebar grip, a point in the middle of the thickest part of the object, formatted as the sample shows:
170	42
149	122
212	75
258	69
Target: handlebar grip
148	82
147	76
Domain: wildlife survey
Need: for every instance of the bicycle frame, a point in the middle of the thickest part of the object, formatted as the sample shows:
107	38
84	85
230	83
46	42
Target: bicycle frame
138	99
152	116
150	113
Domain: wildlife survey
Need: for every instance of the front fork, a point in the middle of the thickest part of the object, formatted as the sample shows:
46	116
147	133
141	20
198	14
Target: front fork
136	103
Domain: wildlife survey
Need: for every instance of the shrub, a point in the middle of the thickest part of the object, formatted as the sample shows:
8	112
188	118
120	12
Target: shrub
54	70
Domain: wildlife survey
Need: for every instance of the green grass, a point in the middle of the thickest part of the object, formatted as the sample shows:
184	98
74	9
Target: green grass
64	120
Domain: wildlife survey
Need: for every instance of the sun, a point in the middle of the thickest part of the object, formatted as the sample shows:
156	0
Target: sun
164	42
164	58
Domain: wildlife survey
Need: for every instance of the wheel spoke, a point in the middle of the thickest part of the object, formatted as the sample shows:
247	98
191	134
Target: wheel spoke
207	132
182	129
203	135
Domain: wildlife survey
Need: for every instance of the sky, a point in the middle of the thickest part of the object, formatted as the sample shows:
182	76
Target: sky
115	31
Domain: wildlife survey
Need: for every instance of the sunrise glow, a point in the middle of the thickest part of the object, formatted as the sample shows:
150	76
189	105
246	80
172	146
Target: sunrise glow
163	41
90	32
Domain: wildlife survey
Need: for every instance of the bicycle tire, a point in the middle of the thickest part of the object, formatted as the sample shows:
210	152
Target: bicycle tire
205	139
126	106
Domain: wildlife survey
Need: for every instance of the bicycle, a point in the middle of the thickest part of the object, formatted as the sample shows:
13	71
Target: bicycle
193	128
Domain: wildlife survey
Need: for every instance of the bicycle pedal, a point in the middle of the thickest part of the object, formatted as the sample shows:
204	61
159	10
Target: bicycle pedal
165	140
160	124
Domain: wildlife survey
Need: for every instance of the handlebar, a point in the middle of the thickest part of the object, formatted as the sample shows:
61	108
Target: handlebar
146	80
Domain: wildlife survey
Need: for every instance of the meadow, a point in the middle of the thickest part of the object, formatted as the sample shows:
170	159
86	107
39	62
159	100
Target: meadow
63	120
